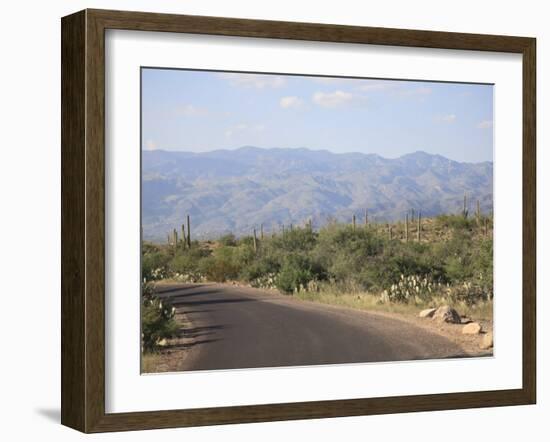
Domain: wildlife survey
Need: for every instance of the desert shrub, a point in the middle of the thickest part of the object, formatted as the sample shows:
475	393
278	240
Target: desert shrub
469	293
260	267
459	268
363	257
219	268
345	258
404	259
296	272
226	263
299	239
346	253
456	222
246	241
483	264
154	263
344	239
157	319
228	240
464	258
187	261
290	279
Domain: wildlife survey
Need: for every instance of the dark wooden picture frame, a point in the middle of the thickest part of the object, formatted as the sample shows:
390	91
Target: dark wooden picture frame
83	220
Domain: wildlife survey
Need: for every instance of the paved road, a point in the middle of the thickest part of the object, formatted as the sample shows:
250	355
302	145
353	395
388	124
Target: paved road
235	327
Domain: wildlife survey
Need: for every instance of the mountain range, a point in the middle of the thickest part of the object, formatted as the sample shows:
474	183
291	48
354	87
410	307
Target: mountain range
238	190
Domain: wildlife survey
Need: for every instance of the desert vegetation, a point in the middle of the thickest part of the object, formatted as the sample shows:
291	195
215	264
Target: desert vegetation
447	259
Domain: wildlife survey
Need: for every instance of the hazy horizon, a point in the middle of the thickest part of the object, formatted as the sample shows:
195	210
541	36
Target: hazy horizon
313	150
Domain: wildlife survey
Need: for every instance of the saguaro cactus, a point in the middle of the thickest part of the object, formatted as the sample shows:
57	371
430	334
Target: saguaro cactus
188	231
419	228
366	217
390	231
183	237
255	241
261	231
407	227
175	239
478	213
465	206
353	221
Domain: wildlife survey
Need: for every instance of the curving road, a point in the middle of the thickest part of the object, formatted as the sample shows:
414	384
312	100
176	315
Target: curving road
239	327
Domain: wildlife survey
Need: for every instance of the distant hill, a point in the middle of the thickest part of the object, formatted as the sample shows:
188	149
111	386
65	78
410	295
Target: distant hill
237	190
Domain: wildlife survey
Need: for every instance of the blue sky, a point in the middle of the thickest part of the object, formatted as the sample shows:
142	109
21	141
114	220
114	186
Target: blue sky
201	111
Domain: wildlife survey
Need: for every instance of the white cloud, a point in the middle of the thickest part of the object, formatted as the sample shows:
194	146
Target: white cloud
291	102
188	110
332	99
450	118
150	145
263	81
485	124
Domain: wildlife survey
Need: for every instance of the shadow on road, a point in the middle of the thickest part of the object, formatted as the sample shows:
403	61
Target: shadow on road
196	332
161	291
177	303
189	345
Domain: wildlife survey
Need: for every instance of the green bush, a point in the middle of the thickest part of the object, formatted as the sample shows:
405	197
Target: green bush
464	259
226	263
154	263
157	319
295	273
228	240
299	239
347	254
404	259
260	267
187	261
456	222
469	293
346	258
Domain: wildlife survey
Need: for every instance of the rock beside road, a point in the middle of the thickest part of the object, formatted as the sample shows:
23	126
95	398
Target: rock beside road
476	335
446	314
428	313
487	341
473	328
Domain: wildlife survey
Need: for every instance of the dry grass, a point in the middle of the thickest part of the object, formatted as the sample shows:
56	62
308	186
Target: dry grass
170	357
150	362
369	301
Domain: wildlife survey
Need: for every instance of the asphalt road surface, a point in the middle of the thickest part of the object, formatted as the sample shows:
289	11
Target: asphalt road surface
234	327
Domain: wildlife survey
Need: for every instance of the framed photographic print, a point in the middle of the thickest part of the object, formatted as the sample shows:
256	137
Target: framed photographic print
271	220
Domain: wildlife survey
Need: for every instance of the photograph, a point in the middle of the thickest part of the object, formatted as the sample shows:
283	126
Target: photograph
302	220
